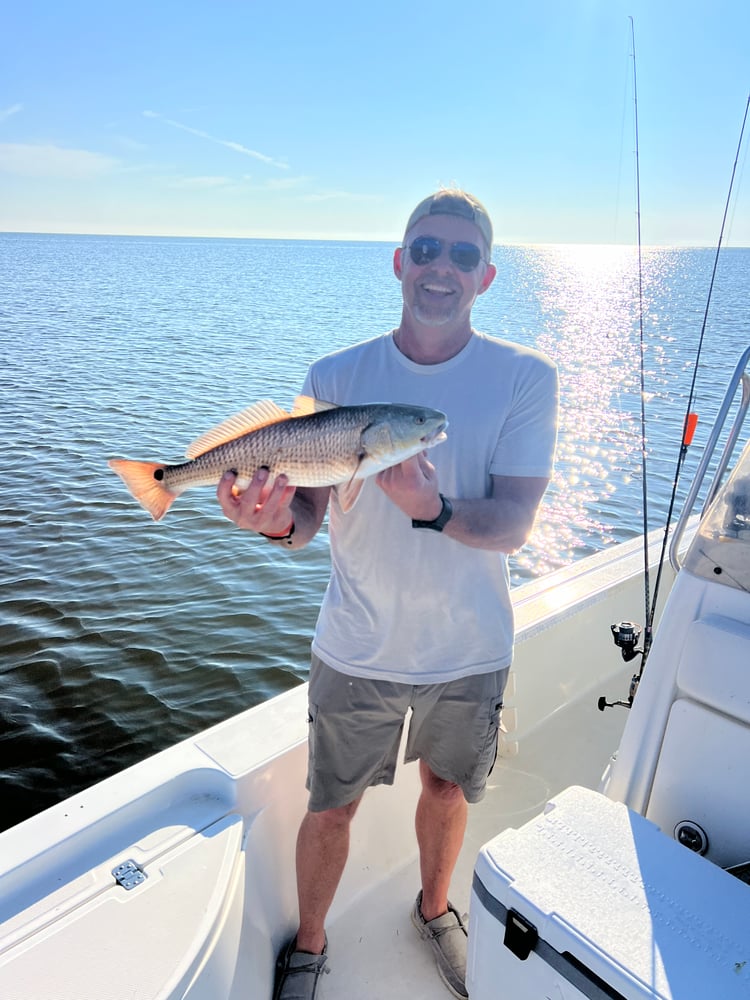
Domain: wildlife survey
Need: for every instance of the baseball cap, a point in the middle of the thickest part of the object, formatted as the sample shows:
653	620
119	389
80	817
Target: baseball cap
454	202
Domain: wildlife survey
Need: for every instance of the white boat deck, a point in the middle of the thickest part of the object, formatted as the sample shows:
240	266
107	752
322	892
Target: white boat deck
374	952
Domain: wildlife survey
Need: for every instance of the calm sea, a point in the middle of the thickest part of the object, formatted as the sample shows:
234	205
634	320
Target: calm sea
119	636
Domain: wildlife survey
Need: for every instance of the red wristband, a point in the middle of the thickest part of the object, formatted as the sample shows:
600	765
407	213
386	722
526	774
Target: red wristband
281	536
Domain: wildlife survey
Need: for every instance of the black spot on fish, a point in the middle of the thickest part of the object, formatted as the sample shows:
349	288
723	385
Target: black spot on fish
158	475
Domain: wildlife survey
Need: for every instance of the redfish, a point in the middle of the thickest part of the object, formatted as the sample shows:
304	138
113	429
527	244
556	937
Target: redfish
317	444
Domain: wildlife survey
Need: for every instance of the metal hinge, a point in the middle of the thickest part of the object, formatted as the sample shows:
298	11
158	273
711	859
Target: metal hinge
129	874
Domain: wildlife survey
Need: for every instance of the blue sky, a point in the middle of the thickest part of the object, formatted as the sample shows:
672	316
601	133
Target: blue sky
332	119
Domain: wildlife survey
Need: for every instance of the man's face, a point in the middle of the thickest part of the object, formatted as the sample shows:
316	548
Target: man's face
439	292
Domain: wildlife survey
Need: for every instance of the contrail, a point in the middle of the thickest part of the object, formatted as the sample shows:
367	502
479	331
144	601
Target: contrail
12	110
235	146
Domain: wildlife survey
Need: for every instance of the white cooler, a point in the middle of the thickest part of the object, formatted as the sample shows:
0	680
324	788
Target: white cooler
592	900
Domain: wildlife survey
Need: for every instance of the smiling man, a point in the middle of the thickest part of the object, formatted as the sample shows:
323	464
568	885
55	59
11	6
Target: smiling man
417	616
436	295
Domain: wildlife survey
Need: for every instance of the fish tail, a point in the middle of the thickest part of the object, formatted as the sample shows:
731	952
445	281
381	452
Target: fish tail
141	478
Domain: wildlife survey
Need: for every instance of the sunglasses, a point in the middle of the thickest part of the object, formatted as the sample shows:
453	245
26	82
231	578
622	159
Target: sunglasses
425	249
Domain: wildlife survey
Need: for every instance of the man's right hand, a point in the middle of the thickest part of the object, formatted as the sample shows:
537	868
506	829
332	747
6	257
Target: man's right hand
263	507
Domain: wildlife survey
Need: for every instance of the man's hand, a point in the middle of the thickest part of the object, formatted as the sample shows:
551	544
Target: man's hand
413	486
263	507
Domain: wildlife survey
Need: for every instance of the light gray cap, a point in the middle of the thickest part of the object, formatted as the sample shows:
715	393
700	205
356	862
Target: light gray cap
451	201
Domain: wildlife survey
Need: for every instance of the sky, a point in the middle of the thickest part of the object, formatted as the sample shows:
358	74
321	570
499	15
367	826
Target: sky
331	120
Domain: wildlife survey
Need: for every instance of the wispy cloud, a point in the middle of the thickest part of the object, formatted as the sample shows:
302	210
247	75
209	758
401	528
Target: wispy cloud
128	144
12	110
229	144
284	183
201	183
46	160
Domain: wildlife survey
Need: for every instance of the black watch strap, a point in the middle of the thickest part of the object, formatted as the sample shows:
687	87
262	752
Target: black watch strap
446	513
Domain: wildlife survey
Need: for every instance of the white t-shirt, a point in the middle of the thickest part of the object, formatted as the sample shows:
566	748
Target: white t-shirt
413	605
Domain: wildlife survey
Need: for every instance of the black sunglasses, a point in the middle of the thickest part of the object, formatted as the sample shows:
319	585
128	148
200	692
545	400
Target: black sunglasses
425	249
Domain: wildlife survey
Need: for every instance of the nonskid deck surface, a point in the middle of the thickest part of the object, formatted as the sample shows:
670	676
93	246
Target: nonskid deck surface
374	951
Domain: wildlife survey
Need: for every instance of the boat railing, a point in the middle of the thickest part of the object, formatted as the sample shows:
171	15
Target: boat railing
740	377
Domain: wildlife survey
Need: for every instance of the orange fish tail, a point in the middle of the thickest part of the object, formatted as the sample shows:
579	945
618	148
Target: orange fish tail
140	479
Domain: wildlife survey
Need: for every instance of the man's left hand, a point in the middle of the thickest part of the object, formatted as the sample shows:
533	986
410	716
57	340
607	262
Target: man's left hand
413	486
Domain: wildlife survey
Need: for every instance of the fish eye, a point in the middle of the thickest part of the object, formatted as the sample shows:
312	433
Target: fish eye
419	420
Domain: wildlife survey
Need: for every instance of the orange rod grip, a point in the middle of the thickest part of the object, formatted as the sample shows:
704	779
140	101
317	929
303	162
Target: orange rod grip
691	422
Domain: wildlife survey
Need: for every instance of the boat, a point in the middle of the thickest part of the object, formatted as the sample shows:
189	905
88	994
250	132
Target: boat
609	857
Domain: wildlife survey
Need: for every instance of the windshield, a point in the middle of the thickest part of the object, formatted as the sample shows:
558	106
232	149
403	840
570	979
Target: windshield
720	550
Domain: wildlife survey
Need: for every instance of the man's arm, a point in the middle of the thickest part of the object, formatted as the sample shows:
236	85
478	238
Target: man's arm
501	522
272	507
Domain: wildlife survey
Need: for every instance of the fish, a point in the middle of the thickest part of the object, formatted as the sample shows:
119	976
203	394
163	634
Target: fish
316	444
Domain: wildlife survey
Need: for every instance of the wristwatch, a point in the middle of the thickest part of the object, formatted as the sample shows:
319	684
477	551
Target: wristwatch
446	513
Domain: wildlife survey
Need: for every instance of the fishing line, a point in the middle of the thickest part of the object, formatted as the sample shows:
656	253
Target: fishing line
741	182
621	157
691	418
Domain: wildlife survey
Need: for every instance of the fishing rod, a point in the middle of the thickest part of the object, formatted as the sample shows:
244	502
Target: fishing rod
642	343
627	634
691	418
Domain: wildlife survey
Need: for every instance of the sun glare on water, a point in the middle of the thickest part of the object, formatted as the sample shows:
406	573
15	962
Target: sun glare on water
587	302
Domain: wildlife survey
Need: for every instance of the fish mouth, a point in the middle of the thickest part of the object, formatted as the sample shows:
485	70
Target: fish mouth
436	436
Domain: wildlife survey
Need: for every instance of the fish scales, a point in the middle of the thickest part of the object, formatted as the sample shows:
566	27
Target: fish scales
316	450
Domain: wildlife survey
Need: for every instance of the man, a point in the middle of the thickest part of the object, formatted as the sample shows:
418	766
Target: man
417	614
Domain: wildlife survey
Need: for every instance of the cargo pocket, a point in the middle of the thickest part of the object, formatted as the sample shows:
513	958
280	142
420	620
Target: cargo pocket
489	753
312	713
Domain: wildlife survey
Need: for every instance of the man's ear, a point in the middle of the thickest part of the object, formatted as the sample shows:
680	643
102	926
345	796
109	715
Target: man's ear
397	262
489	277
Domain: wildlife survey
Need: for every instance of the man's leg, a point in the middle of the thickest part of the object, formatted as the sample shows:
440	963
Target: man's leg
440	824
322	850
454	727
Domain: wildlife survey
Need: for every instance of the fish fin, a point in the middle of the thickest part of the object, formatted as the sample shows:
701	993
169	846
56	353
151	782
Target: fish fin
304	405
348	493
139	478
255	416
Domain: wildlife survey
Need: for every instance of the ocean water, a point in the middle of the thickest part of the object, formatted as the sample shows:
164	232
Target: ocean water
119	636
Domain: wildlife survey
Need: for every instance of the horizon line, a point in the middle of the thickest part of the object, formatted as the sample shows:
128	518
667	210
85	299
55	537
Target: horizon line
356	239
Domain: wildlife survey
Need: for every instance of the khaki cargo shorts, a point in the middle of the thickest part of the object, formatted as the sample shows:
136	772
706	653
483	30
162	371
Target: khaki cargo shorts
356	726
